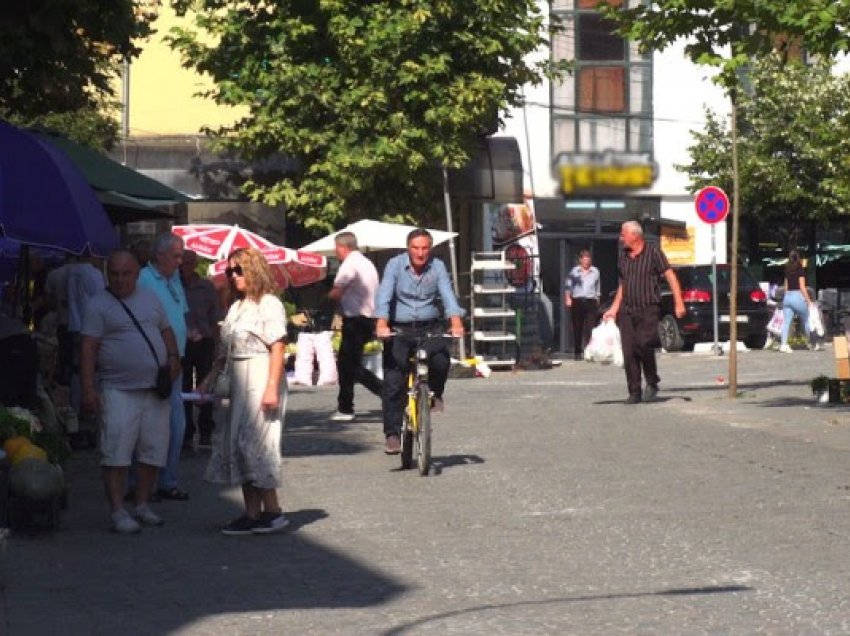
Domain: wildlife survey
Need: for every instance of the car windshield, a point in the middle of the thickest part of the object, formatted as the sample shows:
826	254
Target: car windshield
702	278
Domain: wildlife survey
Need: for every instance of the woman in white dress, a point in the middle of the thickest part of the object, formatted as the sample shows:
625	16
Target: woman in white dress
246	443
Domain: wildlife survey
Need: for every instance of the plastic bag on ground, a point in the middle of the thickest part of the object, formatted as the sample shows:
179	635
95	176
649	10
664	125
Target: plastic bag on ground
605	345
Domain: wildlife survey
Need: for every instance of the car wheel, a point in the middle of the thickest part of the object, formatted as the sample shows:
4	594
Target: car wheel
669	334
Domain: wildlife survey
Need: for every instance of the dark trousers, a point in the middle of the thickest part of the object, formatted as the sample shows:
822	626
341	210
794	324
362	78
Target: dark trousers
396	355
197	362
639	335
584	312
356	332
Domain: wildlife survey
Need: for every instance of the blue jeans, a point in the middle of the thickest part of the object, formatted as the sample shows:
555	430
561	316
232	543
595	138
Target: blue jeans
168	473
794	303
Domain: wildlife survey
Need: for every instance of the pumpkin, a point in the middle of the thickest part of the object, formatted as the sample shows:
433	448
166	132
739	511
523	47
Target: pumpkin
36	479
12	444
26	451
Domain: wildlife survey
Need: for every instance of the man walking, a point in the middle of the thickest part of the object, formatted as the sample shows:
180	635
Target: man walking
636	308
354	289
134	419
161	276
414	290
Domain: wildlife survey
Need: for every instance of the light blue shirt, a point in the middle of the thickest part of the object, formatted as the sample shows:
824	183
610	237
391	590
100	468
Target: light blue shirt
582	284
404	296
173	298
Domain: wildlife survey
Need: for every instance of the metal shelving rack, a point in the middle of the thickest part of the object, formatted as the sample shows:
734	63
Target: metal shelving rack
493	320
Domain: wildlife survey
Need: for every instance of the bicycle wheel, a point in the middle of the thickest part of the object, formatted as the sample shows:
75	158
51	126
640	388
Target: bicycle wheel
406	439
423	436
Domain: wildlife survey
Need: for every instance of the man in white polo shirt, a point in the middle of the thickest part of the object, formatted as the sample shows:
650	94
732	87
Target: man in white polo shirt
354	289
117	370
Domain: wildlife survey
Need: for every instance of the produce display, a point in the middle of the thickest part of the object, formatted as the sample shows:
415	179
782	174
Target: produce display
373	346
36	479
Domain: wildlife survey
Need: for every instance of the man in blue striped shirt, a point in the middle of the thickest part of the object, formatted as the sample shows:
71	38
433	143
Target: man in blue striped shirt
409	299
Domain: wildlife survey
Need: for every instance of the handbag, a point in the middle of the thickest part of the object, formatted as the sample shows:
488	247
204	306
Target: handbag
163	384
221	384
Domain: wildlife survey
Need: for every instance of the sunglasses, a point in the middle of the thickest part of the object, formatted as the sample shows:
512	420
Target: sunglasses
233	271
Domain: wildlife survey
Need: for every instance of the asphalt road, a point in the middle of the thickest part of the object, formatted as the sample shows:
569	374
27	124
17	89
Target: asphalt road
552	508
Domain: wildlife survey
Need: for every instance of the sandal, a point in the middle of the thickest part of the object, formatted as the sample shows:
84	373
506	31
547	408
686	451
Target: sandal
175	494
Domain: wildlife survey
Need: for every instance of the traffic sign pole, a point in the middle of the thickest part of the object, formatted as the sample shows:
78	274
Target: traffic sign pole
717	349
712	206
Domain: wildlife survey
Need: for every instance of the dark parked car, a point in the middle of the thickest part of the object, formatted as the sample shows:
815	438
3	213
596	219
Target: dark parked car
698	323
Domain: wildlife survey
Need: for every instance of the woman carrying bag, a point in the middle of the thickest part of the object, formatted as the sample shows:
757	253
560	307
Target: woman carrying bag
246	443
796	301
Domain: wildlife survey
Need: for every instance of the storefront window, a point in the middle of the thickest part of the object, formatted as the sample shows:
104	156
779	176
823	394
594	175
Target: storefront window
608	100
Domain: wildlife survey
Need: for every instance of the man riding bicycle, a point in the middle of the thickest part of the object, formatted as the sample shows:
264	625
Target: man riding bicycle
408	301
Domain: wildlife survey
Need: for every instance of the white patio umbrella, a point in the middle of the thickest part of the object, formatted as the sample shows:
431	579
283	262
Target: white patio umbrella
373	236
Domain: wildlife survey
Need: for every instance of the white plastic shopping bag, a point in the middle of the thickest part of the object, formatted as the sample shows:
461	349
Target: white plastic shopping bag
775	324
605	345
815	320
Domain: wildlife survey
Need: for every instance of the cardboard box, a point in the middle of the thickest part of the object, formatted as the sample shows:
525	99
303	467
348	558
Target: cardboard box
842	358
839	344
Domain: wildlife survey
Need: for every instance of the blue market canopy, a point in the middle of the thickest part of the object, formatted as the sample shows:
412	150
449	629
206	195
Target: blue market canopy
44	199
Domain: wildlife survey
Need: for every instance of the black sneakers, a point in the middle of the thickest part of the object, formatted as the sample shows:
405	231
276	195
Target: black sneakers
242	525
267	523
270	522
650	392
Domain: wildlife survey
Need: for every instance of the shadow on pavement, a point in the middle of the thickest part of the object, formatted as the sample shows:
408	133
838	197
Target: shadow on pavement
708	589
742	386
305	444
310	432
83	579
440	463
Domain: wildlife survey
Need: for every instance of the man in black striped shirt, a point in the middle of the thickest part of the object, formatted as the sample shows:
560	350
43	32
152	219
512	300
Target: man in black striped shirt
637	305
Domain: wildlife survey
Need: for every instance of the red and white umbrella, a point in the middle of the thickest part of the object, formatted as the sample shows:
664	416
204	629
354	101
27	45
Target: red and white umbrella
290	268
216	241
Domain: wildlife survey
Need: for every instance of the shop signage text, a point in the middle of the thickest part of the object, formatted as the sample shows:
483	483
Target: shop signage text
604	171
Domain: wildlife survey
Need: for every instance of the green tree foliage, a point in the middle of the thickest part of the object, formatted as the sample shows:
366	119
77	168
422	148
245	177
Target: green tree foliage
57	58
368	98
794	131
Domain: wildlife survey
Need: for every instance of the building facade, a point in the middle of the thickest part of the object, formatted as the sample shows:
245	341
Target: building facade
601	146
164	113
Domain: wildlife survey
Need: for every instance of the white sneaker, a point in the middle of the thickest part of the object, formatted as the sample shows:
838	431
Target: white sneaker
768	343
145	515
339	416
785	349
123	523
438	405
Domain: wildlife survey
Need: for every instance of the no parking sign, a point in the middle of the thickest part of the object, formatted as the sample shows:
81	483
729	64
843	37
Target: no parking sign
712	204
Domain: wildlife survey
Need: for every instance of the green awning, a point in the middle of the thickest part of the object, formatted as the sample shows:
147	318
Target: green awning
105	175
123	208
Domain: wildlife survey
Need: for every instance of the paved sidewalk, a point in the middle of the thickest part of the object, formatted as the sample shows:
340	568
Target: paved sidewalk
552	508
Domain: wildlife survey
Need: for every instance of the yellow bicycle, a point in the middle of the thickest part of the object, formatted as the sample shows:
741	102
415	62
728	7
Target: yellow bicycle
416	422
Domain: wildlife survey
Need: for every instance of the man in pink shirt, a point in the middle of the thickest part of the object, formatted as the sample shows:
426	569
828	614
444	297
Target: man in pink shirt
354	289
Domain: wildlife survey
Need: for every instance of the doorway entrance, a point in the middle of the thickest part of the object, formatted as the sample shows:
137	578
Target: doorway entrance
559	254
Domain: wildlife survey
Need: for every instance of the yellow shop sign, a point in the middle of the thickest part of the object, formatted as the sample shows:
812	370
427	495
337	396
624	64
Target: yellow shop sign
604	172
